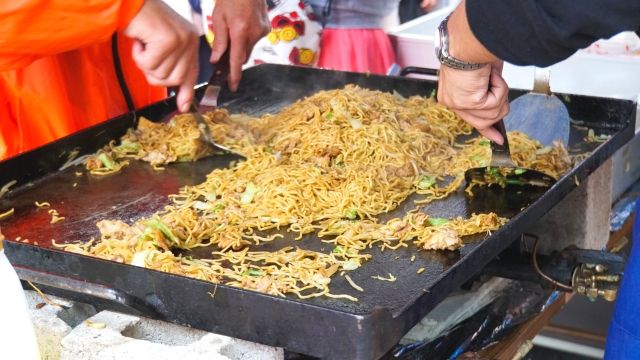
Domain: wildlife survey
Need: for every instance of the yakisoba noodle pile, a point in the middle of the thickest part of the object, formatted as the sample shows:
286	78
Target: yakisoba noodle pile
329	163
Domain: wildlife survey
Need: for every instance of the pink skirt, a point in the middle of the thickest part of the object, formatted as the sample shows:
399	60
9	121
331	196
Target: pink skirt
360	50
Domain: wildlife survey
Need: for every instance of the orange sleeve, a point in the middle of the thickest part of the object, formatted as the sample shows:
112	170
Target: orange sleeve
34	28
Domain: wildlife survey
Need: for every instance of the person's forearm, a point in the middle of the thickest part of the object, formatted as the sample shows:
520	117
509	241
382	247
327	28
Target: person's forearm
543	32
463	44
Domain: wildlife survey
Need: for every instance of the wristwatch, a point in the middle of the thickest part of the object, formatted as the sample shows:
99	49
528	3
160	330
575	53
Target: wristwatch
442	50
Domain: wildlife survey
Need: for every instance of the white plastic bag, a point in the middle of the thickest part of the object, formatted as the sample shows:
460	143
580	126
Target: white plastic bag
17	337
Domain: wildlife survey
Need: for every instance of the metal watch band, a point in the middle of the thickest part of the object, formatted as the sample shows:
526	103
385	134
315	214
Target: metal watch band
442	51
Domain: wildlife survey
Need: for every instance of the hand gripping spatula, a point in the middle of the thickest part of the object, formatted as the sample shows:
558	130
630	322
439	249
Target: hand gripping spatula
539	115
209	101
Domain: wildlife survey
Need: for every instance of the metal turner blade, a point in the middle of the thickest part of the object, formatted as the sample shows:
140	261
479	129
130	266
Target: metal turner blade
209	101
502	170
539	113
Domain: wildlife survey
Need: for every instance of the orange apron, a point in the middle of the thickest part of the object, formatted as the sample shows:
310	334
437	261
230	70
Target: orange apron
57	72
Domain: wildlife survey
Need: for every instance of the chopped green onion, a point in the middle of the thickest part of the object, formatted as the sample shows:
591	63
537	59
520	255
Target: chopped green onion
337	250
329	115
219	206
493	171
249	193
156	224
484	142
398	95
252	272
514	182
475	158
437	221
201	205
107	161
351	264
338	226
210	196
519	171
426	182
351	214
204	206
129	146
433	93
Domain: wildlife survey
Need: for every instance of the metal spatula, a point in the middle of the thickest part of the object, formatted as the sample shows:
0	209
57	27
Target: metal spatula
540	114
209	101
502	169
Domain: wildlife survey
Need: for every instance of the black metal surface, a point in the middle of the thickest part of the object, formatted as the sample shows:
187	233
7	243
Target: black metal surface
518	265
323	327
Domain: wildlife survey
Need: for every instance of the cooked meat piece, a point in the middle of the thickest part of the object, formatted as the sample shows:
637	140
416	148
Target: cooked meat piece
156	157
92	163
158	237
404	125
443	239
323	161
219	116
288	147
115	229
422	125
263	284
420	218
401	171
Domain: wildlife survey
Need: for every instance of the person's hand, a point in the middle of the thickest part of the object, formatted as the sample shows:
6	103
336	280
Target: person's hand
427	5
239	24
166	49
480	96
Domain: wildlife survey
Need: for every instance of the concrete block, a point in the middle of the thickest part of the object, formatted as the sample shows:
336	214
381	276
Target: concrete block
581	218
110	335
52	323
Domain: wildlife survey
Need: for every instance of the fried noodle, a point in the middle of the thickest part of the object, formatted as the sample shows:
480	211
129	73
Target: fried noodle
329	163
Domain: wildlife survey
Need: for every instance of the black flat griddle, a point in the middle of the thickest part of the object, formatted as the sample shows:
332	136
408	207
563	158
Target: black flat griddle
322	327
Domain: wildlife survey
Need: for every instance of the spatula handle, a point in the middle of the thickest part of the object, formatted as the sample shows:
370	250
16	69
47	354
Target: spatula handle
501	155
504	148
221	69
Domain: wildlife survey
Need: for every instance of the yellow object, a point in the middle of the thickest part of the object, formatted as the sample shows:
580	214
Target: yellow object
307	56
7	213
288	33
273	37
